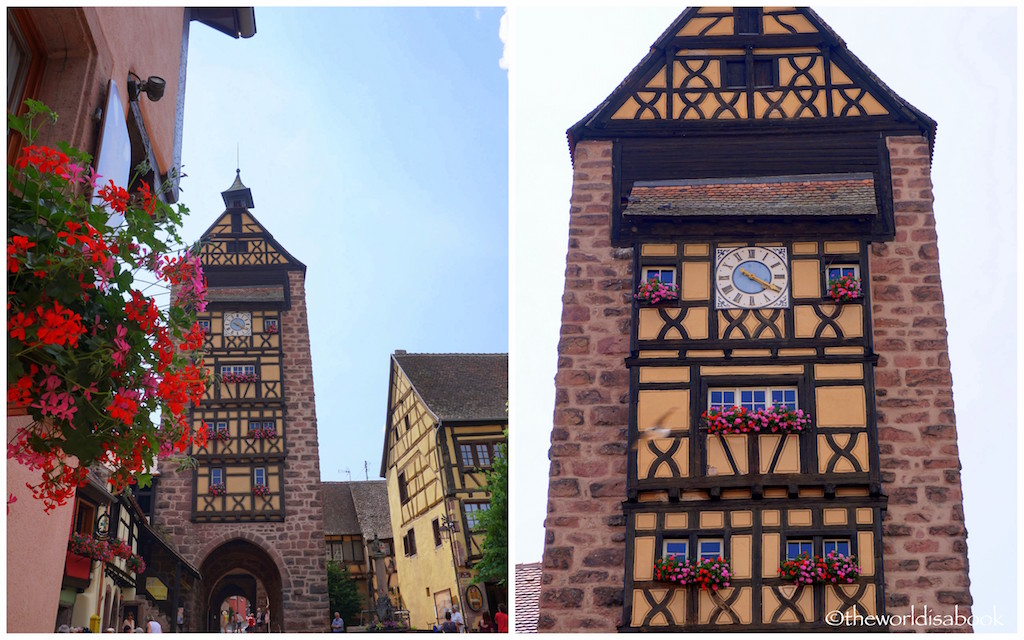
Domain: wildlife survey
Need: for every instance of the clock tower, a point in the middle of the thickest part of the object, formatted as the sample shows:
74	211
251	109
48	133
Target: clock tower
249	516
753	427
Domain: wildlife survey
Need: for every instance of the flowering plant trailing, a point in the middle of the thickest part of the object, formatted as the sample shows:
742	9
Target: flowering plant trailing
105	551
90	547
136	564
844	288
671	569
221	435
840	568
261	490
230	378
709	574
262	433
91	356
218	489
776	419
271	327
654	290
803	569
833	568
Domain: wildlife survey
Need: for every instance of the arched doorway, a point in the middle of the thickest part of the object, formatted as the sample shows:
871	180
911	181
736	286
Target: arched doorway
240	571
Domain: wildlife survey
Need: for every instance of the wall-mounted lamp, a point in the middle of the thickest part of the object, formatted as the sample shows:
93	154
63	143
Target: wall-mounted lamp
153	87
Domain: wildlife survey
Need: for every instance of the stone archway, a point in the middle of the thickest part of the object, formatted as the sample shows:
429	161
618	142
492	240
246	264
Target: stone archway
239	567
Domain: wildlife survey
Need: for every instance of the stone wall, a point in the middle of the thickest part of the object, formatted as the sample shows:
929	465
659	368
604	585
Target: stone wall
925	542
297	544
584	546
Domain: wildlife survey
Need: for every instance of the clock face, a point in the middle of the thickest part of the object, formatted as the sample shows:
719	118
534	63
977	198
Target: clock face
751	278
238	323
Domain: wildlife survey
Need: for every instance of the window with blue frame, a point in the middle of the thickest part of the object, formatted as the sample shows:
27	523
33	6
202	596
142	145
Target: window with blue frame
709	549
666	275
838	270
839	545
677	549
796	547
753	398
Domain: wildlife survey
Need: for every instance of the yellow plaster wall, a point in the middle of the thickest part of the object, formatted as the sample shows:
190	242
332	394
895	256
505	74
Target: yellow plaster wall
666	409
840	407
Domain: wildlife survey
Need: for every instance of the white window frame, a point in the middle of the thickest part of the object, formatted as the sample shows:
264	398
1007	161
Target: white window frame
214	472
802	542
855	267
706	555
204	325
646	271
835	542
768	391
220	426
256	473
685	555
472	511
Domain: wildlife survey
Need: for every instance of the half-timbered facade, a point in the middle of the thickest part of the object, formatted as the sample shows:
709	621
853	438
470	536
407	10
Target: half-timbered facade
249	514
446	417
745	167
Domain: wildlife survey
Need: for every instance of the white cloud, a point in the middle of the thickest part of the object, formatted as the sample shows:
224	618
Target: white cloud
503	36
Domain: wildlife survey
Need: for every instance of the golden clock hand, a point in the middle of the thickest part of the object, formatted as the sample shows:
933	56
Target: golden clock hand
759	281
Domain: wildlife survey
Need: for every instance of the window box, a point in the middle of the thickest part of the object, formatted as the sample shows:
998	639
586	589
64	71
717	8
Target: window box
655	291
261	431
834	568
709	574
261	490
218	489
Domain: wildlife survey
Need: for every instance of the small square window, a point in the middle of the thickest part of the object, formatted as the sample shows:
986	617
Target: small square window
483	455
677	549
838	270
204	325
473	511
839	545
667	275
735	74
466	454
259	476
709	549
270	326
250	369
216	476
796	547
221	426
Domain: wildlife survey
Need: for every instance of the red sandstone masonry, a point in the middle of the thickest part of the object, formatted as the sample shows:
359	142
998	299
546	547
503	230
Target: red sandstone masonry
925	542
295	545
584	545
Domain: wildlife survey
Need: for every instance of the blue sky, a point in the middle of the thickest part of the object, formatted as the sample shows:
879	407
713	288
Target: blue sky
375	143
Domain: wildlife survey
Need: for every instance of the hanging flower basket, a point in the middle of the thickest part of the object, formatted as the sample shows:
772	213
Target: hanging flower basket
844	288
90	547
136	564
834	568
740	420
261	490
89	352
218	489
709	574
654	291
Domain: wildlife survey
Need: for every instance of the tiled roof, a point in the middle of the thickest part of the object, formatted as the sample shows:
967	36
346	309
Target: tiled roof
356	508
459	386
339	511
527	597
847	194
371	501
